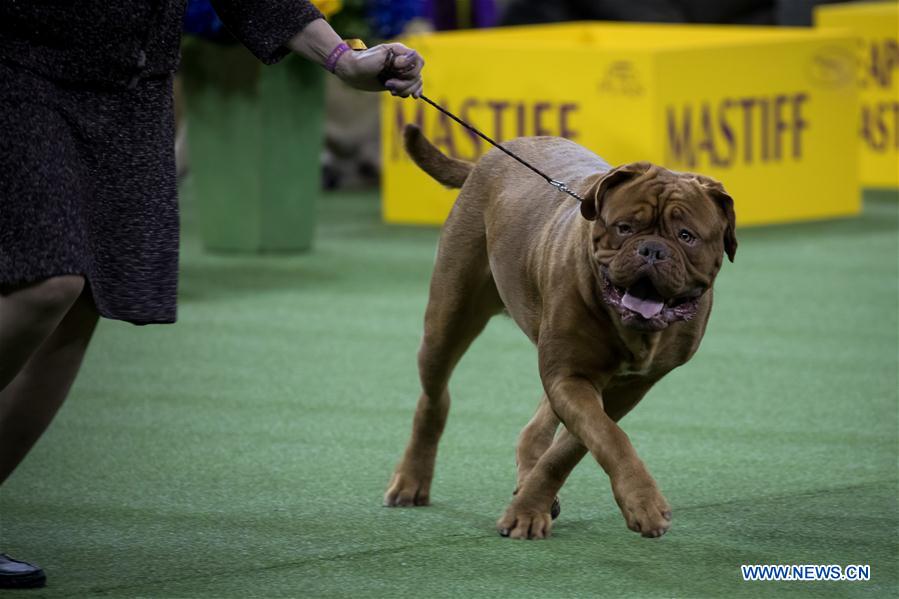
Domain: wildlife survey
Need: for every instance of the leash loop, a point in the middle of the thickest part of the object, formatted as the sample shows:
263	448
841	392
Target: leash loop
388	70
562	187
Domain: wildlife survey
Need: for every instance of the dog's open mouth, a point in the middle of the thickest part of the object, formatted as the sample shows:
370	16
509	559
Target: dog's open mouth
642	298
641	305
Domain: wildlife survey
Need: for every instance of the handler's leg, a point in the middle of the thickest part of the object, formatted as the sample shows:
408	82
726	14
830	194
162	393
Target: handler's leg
27	317
29	402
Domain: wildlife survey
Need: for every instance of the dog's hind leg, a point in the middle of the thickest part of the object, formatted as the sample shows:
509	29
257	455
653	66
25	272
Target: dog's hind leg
529	516
535	439
462	299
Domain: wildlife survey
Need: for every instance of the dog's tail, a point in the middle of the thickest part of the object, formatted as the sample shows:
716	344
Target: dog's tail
451	172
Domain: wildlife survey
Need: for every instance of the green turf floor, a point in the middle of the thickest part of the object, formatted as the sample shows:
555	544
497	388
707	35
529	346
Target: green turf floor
243	452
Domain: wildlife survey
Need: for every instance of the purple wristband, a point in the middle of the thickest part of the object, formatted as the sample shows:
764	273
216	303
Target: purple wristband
336	53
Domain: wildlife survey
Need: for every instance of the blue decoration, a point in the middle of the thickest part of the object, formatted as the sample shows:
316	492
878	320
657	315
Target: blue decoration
389	17
200	20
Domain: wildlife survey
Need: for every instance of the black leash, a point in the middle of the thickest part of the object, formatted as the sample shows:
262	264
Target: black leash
389	70
557	184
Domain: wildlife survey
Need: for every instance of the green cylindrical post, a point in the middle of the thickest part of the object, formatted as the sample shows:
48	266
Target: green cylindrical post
255	135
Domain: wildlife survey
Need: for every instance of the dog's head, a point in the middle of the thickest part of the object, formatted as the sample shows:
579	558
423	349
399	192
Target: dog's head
659	238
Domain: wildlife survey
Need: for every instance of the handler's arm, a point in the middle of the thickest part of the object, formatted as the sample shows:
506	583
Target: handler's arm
321	44
270	29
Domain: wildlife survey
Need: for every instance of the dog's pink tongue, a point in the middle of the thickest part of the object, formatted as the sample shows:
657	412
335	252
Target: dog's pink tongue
647	308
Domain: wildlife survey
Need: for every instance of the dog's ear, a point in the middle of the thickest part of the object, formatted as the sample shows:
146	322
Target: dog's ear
726	203
592	204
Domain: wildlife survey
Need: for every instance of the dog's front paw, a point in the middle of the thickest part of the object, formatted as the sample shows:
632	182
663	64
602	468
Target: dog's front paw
407	490
555	509
524	521
644	508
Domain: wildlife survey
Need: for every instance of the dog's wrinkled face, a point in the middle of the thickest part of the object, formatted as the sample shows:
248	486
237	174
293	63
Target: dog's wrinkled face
658	239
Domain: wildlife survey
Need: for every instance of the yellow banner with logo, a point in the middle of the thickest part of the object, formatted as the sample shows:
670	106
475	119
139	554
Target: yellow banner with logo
876	27
766	111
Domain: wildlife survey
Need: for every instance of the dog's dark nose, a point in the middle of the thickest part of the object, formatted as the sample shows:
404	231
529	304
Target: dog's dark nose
653	251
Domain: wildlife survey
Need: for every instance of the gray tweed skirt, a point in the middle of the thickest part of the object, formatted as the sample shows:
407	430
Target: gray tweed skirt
87	186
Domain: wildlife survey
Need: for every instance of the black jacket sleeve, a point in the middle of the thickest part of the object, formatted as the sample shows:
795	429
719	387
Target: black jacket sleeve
264	26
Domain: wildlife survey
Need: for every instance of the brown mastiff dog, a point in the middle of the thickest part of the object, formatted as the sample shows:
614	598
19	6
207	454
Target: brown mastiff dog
614	292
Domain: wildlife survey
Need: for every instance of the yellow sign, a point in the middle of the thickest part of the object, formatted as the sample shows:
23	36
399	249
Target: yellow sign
328	7
876	25
752	107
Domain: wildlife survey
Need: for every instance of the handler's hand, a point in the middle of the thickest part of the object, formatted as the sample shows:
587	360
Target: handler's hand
398	66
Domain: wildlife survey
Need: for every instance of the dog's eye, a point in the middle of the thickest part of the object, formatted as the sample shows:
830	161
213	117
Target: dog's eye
686	236
624	229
